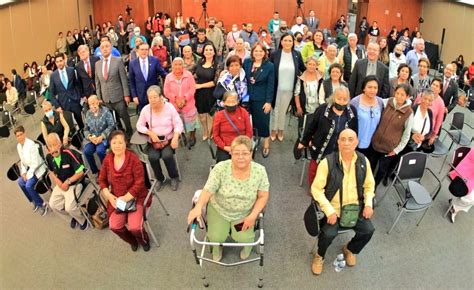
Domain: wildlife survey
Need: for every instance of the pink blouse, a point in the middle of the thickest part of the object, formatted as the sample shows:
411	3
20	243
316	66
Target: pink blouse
438	108
177	90
166	123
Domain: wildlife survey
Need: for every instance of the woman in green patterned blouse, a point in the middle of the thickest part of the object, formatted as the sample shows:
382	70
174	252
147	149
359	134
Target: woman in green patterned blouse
236	192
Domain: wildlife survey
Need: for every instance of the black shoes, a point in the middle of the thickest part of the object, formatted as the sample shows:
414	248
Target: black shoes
73	223
146	247
134	247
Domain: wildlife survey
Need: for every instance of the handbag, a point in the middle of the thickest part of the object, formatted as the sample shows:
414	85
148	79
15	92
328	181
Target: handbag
312	218
161	143
349	213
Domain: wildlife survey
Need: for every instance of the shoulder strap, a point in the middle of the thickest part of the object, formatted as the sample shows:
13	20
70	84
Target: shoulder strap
231	123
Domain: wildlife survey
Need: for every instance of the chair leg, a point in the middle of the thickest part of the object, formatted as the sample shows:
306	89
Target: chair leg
162	205
303	172
449	209
152	234
424	213
396	220
177	166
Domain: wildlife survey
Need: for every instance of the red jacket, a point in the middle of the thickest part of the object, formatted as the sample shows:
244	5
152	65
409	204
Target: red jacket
129	178
223	131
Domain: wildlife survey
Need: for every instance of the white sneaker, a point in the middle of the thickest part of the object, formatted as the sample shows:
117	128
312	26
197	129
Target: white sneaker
452	215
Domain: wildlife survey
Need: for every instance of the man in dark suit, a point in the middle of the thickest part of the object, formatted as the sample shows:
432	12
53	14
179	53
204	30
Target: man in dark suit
18	83
112	84
312	21
450	88
170	44
64	89
370	66
86	73
143	72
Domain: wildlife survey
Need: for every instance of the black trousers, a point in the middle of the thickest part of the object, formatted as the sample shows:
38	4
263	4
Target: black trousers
222	155
363	229
122	115
371	154
167	154
386	166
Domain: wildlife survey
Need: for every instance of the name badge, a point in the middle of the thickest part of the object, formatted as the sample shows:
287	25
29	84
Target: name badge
66	166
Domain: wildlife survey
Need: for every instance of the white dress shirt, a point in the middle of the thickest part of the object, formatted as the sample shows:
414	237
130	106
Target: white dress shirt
31	162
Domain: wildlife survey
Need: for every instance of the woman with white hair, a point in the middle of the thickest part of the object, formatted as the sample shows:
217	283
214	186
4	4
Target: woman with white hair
161	122
159	51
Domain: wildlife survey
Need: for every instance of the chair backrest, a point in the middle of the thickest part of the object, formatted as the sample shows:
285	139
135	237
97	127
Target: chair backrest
149	174
412	166
4	131
30	108
5	118
459	155
41	149
70	121
458	121
30	97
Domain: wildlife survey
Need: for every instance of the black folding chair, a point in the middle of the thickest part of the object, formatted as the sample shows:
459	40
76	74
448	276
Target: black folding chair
413	196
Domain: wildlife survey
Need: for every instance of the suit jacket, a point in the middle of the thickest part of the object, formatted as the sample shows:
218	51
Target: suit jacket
298	63
115	88
19	84
261	82
358	75
86	82
450	95
138	83
315	25
66	98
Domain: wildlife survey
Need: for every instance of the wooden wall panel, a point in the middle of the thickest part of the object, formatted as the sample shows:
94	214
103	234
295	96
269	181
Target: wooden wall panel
108	10
168	6
30	28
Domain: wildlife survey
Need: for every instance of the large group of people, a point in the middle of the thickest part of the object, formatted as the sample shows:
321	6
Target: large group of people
359	111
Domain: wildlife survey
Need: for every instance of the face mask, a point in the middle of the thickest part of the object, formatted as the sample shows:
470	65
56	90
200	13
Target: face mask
264	34
137	33
340	107
283	29
397	54
231	109
49	114
234	29
211	26
299	39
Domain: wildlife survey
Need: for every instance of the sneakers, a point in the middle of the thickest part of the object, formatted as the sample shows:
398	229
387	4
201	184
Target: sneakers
134	247
146	247
44	209
245	253
35	207
452	215
174	184
317	264
73	223
85	226
350	258
216	253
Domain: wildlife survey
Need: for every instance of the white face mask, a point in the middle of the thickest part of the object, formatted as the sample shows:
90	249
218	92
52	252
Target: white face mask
234	29
137	33
264	34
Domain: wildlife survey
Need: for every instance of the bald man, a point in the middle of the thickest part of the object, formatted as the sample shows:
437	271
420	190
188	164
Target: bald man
450	88
352	169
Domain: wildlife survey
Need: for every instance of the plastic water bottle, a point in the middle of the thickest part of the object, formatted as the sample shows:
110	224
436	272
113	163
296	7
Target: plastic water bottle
339	263
340	257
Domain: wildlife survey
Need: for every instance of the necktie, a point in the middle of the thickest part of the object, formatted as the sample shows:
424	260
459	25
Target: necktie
88	65
106	69
64	78
312	21
144	70
446	85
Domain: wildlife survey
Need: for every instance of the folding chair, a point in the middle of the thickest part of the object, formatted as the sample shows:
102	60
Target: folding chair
455	133
413	196
150	182
306	157
458	156
201	258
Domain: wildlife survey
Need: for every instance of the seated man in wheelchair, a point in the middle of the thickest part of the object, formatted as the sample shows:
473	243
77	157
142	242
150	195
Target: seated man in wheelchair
66	170
236	192
347	171
32	169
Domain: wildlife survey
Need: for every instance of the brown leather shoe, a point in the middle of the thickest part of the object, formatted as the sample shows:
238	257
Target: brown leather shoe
317	264
350	258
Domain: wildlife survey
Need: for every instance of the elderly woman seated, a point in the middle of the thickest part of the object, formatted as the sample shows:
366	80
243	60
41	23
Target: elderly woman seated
99	124
54	122
12	95
235	193
160	121
229	123
179	90
122	180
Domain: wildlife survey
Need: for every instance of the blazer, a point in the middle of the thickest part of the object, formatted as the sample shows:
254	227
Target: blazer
315	25
138	83
19	84
86	82
275	58
450	95
358	75
66	98
261	90
115	88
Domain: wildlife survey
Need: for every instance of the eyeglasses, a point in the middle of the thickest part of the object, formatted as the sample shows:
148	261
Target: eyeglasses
372	114
241	153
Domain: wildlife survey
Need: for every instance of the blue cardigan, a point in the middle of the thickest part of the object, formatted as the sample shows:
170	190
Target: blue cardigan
263	88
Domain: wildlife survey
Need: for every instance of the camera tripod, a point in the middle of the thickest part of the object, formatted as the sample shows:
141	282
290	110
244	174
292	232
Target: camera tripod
204	14
299	12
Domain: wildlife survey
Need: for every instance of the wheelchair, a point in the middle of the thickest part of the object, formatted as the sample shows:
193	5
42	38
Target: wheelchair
203	242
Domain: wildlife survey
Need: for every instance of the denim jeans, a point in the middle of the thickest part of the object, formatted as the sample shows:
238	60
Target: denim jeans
90	149
28	188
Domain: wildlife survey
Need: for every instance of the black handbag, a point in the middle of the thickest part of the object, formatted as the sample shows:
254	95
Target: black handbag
312	218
